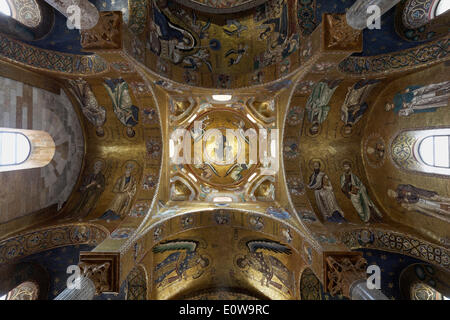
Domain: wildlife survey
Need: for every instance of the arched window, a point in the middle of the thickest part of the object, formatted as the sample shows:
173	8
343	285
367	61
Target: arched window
426	151
422	20
4	8
27	12
14	148
419	281
434	151
418	13
440	7
27	20
25	149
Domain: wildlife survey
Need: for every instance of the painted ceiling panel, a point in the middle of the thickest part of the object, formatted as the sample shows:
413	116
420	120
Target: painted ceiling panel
335	157
233	42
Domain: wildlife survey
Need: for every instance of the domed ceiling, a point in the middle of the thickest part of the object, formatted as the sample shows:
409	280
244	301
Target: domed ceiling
222	159
332	160
224	44
217	172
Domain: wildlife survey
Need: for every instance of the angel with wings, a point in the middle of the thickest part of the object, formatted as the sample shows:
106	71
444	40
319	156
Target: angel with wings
183	263
268	265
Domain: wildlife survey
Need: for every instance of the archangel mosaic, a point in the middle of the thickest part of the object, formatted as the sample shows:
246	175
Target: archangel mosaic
164	147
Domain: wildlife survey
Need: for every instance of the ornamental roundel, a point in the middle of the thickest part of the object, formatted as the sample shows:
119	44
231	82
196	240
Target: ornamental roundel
421	291
27	12
213	171
291	148
416	13
401	149
10	251
295	115
34	240
295	185
57	237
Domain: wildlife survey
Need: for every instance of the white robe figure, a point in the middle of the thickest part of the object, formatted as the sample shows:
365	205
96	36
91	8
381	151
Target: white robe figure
95	113
418	99
423	201
325	198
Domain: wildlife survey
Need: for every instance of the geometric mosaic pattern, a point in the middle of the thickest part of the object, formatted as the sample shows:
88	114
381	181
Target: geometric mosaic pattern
406	59
309	286
50	60
397	242
138	16
137	284
306	14
36	241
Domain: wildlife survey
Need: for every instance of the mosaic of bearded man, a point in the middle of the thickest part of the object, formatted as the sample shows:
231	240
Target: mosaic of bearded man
355	190
355	104
95	113
317	106
91	190
325	198
124	190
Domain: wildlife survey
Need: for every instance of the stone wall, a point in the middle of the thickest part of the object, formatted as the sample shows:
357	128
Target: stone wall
25	107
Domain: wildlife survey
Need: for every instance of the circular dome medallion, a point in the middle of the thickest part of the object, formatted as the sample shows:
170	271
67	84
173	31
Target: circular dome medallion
220	166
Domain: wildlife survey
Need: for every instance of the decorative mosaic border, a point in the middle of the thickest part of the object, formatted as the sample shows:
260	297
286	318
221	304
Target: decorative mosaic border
398	243
45	239
138	16
50	60
221	7
405	60
306	16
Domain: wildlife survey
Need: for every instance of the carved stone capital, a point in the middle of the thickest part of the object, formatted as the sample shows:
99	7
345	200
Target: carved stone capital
102	269
98	274
107	33
341	270
339	36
